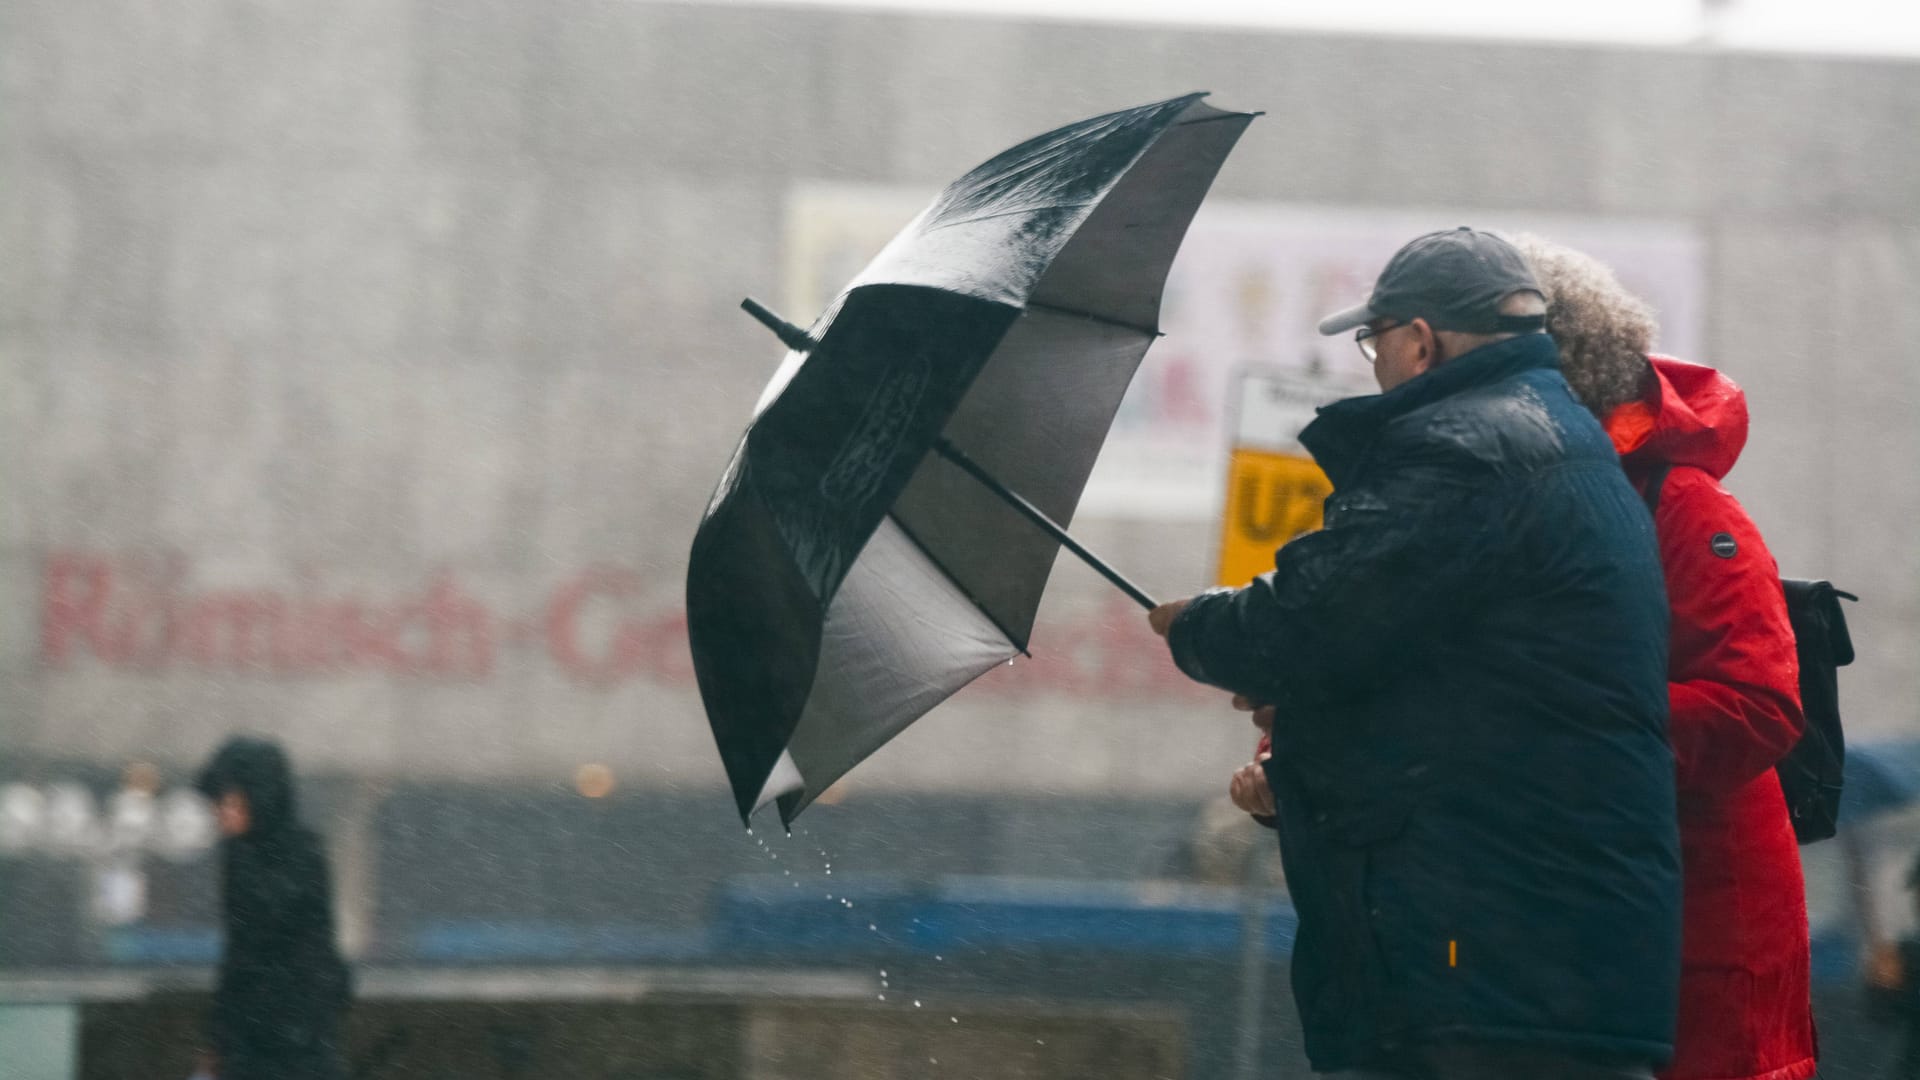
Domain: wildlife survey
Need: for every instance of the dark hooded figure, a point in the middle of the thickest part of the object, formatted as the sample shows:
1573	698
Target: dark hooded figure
282	989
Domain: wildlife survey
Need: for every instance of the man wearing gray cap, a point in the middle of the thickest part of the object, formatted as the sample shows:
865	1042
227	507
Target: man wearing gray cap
1467	668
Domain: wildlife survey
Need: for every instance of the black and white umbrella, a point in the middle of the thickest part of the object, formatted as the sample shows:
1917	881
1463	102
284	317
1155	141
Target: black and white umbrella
887	525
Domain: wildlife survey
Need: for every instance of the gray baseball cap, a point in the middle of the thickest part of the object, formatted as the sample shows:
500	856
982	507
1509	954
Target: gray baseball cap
1454	279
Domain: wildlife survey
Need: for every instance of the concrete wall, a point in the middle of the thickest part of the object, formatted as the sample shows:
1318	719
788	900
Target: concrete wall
410	328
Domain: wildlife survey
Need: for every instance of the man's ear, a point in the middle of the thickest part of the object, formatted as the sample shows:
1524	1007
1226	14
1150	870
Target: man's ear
1428	357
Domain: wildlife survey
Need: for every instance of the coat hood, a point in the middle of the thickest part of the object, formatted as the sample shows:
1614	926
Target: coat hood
257	768
1694	416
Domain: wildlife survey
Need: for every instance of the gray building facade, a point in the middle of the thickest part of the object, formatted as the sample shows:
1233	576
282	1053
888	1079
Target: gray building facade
367	366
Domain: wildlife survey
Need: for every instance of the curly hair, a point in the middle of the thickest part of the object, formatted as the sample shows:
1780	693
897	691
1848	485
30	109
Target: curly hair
1604	331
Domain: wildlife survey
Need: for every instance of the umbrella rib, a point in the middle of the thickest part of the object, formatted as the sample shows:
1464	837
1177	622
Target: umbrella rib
1247	116
1012	638
1055	309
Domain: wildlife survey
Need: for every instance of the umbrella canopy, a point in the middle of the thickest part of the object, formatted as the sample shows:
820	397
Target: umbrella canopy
846	579
1878	777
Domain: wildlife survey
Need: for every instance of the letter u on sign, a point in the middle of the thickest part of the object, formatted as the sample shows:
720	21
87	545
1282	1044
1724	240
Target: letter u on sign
1271	498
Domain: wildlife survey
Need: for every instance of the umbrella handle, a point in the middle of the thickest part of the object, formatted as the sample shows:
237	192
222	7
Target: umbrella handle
1038	517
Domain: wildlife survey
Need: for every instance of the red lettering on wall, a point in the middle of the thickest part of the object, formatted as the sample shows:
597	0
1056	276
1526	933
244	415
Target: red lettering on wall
146	613
141	613
73	605
122	612
578	637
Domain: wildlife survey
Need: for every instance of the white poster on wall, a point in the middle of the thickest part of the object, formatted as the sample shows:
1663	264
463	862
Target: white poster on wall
1249	286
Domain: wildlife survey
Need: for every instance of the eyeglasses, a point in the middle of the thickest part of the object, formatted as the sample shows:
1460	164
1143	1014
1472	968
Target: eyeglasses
1367	338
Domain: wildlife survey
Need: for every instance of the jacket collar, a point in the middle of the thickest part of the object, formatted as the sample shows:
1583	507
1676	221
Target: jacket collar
1343	430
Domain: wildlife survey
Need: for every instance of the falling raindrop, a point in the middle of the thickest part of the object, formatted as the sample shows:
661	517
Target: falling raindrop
955	1019
873	928
882	997
937	956
916	1004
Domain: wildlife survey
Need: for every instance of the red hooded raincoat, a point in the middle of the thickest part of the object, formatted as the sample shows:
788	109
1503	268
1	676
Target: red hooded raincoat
1744	991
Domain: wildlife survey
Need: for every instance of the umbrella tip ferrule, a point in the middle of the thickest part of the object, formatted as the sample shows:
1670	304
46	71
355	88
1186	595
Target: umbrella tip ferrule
790	335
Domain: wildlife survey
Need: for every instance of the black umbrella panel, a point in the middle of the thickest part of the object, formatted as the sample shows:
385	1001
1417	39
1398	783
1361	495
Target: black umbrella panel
861	559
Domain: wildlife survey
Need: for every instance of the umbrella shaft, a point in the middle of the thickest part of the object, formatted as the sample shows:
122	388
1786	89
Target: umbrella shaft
1038	517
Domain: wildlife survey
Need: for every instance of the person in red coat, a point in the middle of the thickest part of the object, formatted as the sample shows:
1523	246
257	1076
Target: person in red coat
1733	680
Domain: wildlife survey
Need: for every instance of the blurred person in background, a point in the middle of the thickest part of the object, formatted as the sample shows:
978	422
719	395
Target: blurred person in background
1470	769
1733	679
1893	981
282	990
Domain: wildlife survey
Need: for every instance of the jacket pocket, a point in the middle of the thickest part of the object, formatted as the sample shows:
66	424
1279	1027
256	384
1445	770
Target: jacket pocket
1361	844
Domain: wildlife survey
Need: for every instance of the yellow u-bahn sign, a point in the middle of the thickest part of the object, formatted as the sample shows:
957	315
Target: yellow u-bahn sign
1274	490
1271	498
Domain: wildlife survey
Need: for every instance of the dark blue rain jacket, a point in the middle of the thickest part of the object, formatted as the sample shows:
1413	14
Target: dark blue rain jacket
1470	761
